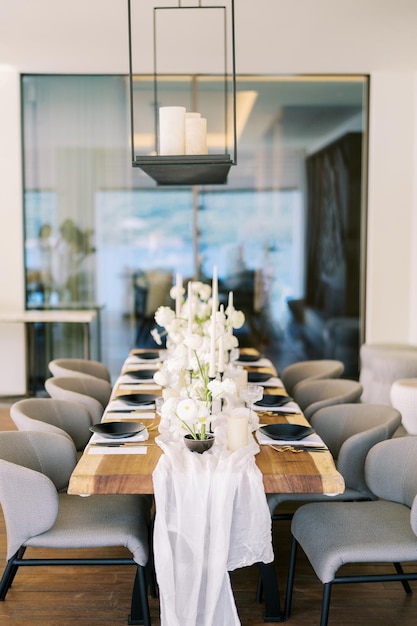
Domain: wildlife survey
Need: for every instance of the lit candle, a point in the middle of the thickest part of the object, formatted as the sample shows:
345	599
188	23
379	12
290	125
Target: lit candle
178	295
171	130
237	431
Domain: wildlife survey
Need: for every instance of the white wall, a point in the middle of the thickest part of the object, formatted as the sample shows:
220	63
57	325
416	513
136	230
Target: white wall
375	37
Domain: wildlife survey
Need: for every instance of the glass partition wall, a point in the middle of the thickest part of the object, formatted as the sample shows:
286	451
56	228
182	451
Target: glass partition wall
285	232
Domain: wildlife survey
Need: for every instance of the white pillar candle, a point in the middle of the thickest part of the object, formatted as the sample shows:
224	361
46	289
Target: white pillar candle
237	431
178	294
196	135
171	130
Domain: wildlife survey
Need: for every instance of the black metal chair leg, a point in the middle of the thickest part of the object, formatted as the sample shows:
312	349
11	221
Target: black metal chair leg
259	590
290	580
404	583
325	604
140	607
10	572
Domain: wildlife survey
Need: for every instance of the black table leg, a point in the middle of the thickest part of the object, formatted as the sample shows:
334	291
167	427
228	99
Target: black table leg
271	593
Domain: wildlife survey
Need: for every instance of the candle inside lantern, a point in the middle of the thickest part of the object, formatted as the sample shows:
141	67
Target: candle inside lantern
237	431
195	135
171	130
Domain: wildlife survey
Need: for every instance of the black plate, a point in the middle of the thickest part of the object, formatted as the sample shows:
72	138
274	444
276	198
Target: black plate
287	432
142	374
249	358
116	430
138	399
273	400
147	355
258	377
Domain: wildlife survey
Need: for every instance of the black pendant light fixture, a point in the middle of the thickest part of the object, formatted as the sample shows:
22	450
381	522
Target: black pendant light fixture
192	139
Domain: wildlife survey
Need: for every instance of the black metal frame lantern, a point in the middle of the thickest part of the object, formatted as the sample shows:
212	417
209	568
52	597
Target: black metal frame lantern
184	168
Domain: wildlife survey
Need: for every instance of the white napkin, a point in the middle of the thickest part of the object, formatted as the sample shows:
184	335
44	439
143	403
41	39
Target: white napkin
290	407
313	440
119	404
211	518
121	450
139	387
136	360
111	417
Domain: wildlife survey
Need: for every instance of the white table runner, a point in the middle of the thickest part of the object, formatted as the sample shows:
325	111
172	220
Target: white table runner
211	518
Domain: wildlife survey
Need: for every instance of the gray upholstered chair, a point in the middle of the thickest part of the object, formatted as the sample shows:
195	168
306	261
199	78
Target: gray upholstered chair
310	370
383	363
33	468
91	392
50	415
379	531
312	395
349	431
79	367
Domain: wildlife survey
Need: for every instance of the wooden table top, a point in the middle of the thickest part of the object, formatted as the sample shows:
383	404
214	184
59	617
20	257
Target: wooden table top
283	472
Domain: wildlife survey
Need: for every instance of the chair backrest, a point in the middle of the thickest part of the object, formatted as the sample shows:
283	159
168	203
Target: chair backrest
53	455
79	367
350	431
382	364
34	466
64	417
93	393
313	395
310	370
391	470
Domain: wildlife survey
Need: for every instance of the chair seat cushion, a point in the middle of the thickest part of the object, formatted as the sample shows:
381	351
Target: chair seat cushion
333	534
100	521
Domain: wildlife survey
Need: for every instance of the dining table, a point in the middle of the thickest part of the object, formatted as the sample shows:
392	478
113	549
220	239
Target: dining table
114	467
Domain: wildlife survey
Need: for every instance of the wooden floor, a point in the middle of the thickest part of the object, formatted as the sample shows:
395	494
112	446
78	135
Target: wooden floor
86	596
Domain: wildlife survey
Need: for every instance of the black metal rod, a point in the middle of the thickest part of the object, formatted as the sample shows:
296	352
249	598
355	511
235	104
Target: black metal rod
132	122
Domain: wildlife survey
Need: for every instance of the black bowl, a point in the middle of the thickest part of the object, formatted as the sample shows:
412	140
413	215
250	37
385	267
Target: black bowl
287	432
258	377
273	400
116	430
249	358
138	399
147	355
142	374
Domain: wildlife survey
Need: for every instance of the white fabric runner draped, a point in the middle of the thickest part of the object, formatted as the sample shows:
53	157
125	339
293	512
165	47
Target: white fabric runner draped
211	518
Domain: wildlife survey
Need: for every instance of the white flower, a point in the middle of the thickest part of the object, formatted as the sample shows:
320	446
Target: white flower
174	290
238	319
164	315
230	342
156	336
218	388
161	378
187	410
194	342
